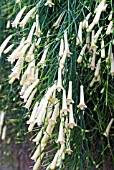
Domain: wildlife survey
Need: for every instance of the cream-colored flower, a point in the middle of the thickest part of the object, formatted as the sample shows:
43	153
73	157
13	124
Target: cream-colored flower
38	151
69	96
38	31
92	64
64	103
84	25
93	45
38	41
107	131
112	64
3	45
79	60
102	49
29	38
63	59
61	153
49	3
61	51
26	18
98	13
29	90
57	23
109	28
8	24
71	123
30	52
55	113
79	36
82	105
54	161
92	82
110	16
61	136
96	36
29	101
38	137
32	117
38	162
31	125
18	17
2	115
3	133
90	27
44	55
59	81
97	68
8	49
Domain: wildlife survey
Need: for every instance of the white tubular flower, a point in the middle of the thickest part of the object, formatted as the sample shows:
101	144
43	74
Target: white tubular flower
29	38
15	54
69	96
102	49
61	136
26	18
96	36
90	27
44	55
79	60
71	118
97	68
109	28
88	40
55	113
18	1
3	45
8	24
29	90
38	31
110	16
84	25
79	36
30	52
63	59
49	92
23	88
54	161
38	151
64	103
12	80
49	3
32	117
3	133
38	41
53	98
92	64
82	105
8	49
92	82
31	125
38	137
57	23
38	162
50	128
23	50
93	46
29	101
2	114
59	81
61	152
107	131
61	51
18	17
112	64
98	13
